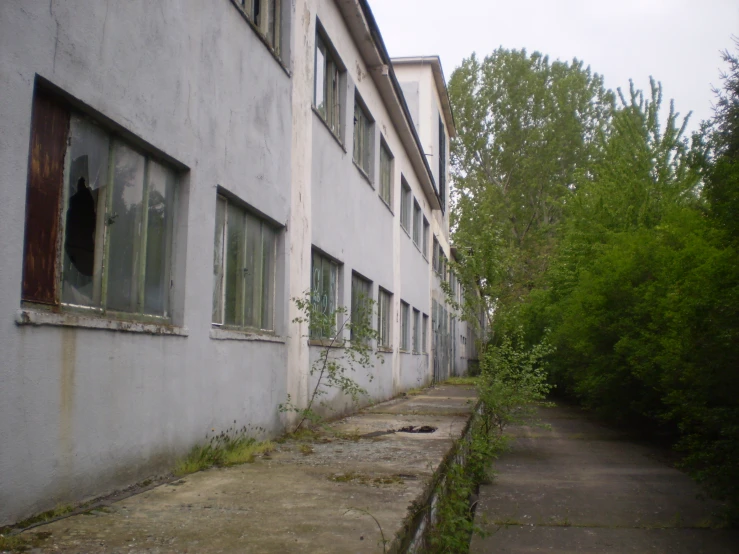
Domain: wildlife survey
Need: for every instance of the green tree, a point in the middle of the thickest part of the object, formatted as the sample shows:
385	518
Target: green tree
526	127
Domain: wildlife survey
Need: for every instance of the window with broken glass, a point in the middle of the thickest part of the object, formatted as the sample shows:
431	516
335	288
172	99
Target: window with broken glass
405	205
386	175
327	86
265	15
117	218
324	287
243	268
362	137
384	318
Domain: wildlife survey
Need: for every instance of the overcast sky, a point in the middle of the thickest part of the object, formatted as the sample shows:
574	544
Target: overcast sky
675	41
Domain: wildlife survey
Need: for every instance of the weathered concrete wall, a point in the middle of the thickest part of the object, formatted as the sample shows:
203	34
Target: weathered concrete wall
83	411
87	410
352	224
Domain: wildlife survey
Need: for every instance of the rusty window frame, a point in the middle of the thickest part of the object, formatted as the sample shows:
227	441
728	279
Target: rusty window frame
58	227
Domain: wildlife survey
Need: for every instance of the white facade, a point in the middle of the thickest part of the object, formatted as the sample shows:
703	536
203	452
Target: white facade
99	396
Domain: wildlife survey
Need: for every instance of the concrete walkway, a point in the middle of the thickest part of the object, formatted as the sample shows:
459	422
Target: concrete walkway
582	487
340	493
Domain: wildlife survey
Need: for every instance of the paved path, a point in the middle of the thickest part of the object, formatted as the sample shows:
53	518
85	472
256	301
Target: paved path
582	487
329	495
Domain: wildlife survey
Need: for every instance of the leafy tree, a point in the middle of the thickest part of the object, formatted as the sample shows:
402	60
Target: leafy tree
526	126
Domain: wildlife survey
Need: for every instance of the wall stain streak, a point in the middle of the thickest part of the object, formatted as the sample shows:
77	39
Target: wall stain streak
66	405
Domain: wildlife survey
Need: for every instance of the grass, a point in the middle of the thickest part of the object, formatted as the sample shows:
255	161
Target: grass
226	449
364	479
470	381
416	391
304	434
12	544
306	449
18	543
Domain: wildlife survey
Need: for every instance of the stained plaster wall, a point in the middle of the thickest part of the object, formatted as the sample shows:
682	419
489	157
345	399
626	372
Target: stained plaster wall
83	411
350	222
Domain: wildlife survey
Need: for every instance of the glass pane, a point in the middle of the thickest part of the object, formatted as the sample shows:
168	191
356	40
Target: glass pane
158	239
125	222
319	92
84	223
268	277
253	273
357	133
235	239
219	244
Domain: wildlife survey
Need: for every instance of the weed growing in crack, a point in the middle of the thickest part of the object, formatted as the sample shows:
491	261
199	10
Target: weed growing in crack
339	357
230	447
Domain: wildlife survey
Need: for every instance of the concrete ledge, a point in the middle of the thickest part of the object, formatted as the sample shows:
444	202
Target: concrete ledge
218	333
345	490
38	317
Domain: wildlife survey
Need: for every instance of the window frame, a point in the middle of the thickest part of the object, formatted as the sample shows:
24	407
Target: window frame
384	319
435	263
405	321
416	334
386	174
272	37
330	110
362	148
426	231
366	284
417	223
442	163
406	204
51	247
332	302
424	333
266	323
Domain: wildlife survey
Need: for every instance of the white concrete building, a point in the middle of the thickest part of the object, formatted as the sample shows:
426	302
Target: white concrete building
172	173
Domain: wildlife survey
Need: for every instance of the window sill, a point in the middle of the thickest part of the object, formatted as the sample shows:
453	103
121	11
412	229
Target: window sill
260	36
386	205
364	174
385	349
219	333
329	129
405	230
326	343
38	318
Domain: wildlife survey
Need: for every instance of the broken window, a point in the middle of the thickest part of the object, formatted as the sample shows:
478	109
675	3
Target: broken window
117	220
243	268
265	14
386	174
362	136
405	204
327	86
324	288
405	322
